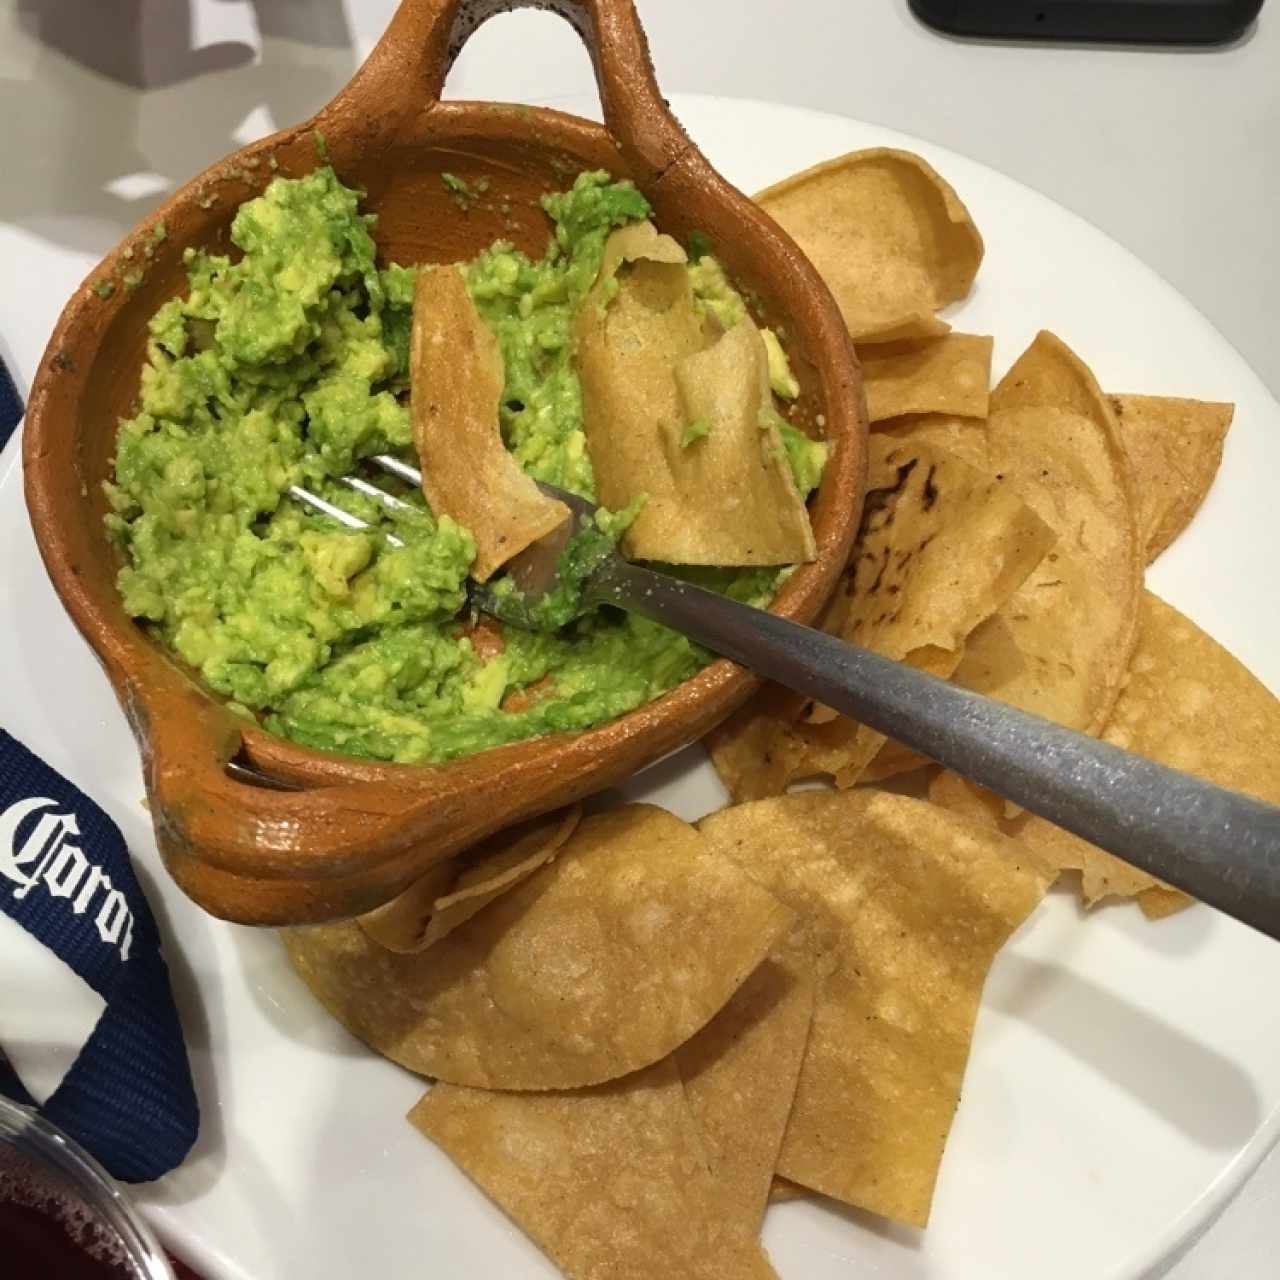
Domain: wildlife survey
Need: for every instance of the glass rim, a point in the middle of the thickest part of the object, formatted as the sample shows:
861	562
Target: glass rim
29	1133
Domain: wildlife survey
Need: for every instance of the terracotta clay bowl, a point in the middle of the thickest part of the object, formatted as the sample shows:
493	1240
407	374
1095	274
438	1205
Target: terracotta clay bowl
352	833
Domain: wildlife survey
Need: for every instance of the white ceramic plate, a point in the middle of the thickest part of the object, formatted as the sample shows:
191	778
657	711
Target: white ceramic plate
1125	1076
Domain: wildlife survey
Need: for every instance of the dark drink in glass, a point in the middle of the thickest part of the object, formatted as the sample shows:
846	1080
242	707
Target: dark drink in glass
61	1216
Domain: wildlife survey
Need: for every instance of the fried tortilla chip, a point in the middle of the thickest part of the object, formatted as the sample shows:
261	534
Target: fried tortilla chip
636	242
928	522
758	750
1060	646
1101	875
594	966
740	1074
1188	704
941	547
610	1182
892	761
959	795
400	925
680	414
891	239
1175	447
963	438
947	375
739	466
1160	901
783	1189
911	904
467	472
451	892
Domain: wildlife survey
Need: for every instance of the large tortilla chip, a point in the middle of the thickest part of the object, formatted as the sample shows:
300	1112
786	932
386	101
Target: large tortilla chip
740	1074
911	904
451	892
611	1182
467	472
595	966
1059	647
1188	704
891	239
651	369
947	375
941	547
1175	447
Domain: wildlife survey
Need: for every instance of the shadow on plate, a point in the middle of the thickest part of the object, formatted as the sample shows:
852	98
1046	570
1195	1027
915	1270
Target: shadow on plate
283	998
1180	935
1182	1081
910	1239
683	782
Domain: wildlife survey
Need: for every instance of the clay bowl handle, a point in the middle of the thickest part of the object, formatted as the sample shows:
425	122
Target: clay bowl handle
407	69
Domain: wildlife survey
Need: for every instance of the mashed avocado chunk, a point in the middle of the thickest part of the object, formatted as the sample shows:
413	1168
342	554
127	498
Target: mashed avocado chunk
288	366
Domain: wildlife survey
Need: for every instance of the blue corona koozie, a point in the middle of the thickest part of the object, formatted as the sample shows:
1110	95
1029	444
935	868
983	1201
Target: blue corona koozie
65	876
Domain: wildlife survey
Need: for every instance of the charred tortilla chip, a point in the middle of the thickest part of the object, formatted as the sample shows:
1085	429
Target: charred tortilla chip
1188	704
611	1182
941	547
594	966
1175	447
963	438
450	893
680	414
910	903
740	1074
891	239
947	375
467	472
1059	647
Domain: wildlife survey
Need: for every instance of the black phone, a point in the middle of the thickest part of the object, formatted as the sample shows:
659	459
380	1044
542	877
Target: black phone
1135	21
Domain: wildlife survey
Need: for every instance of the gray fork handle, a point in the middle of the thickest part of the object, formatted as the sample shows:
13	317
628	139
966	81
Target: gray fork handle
1220	846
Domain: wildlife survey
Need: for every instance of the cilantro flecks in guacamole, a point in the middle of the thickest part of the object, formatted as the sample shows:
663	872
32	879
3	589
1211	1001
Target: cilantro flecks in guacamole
288	367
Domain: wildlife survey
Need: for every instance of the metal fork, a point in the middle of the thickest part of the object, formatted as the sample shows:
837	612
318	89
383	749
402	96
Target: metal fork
1220	846
387	462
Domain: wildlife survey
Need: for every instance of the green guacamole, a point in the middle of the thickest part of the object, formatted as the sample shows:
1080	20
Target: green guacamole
290	365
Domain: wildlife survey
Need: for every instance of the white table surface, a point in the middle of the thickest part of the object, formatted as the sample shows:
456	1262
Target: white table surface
106	105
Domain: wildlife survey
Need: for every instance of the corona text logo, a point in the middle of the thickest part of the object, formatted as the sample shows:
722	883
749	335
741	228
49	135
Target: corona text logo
39	853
